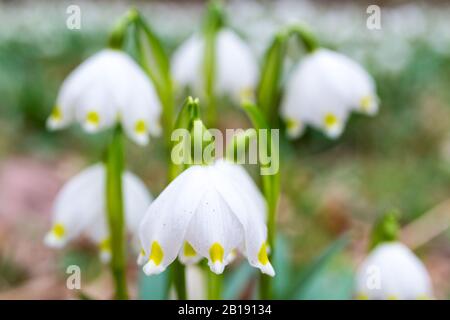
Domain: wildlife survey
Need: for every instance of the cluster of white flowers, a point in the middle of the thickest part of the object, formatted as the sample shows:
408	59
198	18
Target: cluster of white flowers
210	211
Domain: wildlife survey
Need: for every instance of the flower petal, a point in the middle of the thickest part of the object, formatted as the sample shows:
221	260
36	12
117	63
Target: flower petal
245	207
162	231
237	69
214	231
77	206
187	64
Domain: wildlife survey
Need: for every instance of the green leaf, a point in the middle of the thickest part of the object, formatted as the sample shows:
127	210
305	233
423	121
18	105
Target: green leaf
155	62
336	282
255	115
236	282
188	113
312	273
153	287
281	264
270	80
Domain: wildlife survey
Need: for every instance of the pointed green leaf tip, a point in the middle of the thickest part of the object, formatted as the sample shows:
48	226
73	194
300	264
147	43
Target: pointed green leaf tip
385	229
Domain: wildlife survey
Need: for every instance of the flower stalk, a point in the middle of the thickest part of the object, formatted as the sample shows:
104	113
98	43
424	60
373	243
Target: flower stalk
114	204
214	286
269	88
187	114
271	191
213	23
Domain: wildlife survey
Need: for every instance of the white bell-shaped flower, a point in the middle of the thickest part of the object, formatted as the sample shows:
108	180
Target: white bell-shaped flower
80	208
106	88
392	271
236	69
208	211
322	91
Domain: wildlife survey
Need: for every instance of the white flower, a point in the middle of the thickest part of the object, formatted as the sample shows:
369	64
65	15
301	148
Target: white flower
80	208
213	211
236	72
392	271
106	88
322	91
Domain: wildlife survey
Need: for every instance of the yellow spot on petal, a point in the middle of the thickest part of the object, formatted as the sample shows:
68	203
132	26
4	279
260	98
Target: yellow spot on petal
216	252
105	245
365	103
362	296
140	127
262	254
392	297
56	114
292	124
142	252
330	120
156	253
93	118
59	230
188	251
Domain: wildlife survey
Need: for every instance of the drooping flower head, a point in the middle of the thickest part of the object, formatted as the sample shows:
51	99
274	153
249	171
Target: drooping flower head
208	211
106	88
80	208
392	271
322	91
236	70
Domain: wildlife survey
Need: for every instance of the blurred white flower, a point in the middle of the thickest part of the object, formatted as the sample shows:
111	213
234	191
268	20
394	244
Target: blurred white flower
323	90
392	271
236	70
80	208
210	211
106	88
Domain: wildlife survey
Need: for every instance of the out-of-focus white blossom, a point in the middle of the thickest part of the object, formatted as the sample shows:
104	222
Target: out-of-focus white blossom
80	208
322	91
392	271
236	69
107	88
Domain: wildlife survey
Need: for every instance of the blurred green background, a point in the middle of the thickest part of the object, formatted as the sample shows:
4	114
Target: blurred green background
400	158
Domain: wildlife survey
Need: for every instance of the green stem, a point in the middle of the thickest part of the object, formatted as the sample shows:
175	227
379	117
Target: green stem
214	20
114	201
271	189
209	75
178	278
214	286
271	193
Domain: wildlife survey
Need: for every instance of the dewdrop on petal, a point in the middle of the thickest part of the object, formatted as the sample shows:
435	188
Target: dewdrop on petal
236	72
322	91
392	271
216	210
107	88
79	208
